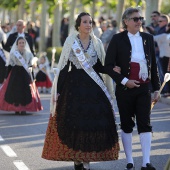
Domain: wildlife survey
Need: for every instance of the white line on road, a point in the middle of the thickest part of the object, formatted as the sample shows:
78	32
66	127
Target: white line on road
20	165
1	139
8	151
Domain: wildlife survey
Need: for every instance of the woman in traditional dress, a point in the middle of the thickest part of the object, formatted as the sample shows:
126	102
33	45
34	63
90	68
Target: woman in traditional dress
18	92
43	78
82	126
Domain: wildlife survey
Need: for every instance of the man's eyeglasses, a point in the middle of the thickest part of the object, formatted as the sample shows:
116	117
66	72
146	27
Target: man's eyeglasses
136	19
161	20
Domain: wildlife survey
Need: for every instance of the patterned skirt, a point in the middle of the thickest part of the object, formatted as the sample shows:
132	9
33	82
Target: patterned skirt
83	128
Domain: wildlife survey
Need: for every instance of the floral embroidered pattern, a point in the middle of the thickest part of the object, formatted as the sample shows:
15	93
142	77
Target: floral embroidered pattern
54	149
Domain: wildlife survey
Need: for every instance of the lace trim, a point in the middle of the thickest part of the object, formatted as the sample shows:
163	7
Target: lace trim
92	60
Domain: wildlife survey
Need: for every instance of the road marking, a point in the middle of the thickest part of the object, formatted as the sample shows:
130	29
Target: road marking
8	151
20	165
1	139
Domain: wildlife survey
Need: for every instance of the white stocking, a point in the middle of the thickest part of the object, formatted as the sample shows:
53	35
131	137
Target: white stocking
145	140
127	144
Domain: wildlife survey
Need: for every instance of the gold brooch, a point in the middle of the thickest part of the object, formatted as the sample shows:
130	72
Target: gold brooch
144	42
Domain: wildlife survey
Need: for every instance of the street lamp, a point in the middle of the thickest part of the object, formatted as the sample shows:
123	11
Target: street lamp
53	58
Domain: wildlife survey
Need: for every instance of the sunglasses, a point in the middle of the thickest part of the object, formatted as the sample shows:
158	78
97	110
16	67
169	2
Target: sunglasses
136	19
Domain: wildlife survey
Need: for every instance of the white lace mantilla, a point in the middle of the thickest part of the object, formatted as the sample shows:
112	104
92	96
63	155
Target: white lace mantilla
92	59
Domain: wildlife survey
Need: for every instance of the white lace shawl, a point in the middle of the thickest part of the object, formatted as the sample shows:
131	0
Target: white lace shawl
98	46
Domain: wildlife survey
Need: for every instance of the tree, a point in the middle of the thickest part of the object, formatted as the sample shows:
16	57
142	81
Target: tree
72	13
151	5
21	9
43	38
120	7
57	24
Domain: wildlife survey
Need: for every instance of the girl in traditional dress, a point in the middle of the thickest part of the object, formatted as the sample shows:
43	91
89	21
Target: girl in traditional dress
43	78
19	93
82	126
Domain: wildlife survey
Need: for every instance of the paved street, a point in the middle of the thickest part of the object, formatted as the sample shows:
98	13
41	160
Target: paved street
22	137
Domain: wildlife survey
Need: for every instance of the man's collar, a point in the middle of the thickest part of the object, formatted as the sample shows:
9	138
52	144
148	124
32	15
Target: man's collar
21	34
132	35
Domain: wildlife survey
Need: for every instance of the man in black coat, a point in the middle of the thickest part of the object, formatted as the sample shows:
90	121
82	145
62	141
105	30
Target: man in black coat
133	51
20	32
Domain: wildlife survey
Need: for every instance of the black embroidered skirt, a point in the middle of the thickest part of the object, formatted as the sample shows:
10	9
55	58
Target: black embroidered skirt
85	118
18	91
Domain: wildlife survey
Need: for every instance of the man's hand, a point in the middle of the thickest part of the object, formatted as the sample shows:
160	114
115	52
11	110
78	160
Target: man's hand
132	83
156	97
117	69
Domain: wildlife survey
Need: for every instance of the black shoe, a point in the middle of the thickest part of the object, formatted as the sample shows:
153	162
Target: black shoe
23	113
85	169
148	167
130	166
78	167
17	113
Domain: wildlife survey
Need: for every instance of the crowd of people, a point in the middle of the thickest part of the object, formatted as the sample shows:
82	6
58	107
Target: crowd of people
82	126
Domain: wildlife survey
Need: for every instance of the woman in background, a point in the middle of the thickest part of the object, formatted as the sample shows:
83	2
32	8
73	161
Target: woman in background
19	92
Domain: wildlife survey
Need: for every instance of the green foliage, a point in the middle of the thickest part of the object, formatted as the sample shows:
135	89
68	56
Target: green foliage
8	4
86	2
165	7
129	3
57	54
113	4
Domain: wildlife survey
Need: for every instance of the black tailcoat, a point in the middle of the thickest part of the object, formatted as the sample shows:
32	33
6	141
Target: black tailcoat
119	54
11	39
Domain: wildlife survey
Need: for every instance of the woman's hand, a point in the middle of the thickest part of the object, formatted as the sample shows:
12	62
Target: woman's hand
117	69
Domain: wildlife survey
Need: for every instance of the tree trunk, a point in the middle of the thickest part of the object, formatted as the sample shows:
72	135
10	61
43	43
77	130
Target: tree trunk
3	16
57	25
10	16
14	17
43	21
156	5
33	6
21	9
72	14
108	11
93	9
119	11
